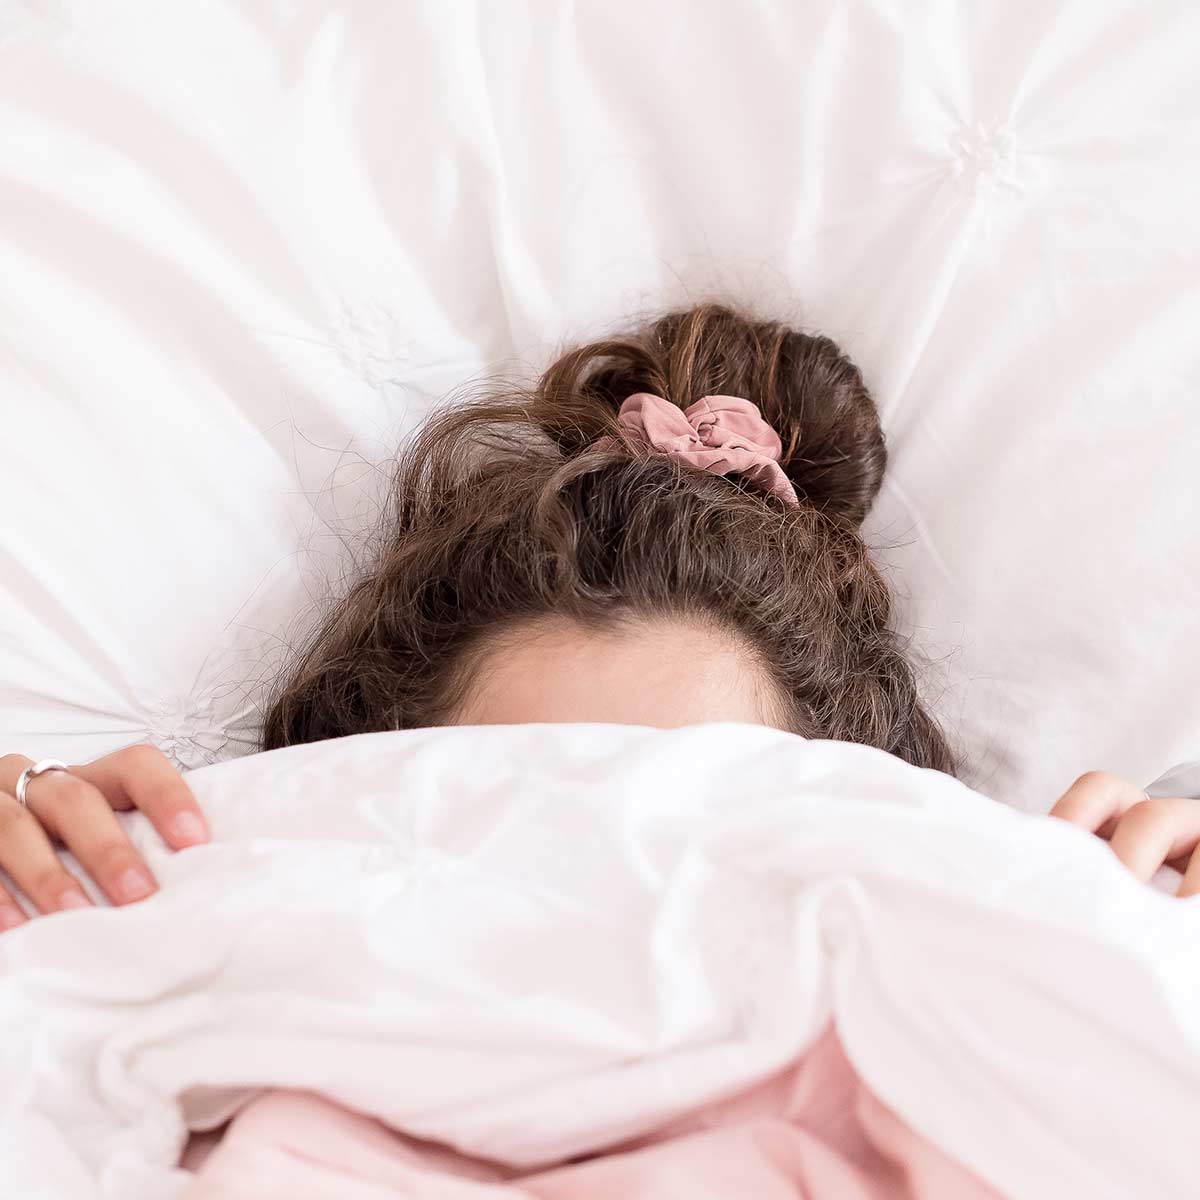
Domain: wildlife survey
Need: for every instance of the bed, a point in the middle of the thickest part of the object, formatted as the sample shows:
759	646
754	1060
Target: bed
245	249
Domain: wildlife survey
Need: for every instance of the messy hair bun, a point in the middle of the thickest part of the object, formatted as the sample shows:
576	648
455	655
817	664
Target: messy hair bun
526	504
804	385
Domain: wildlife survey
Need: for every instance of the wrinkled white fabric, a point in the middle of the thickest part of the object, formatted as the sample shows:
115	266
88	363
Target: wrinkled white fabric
531	942
245	246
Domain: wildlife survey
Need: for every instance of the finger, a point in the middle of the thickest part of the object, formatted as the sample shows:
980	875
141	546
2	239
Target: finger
75	812
1095	799
11	913
143	777
11	766
29	858
1154	831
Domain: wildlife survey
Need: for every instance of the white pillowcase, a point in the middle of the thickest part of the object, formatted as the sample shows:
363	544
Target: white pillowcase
245	249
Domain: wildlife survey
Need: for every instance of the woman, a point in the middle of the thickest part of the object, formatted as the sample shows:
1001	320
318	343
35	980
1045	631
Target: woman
664	531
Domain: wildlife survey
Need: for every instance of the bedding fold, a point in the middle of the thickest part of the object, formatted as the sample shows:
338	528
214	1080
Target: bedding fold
534	944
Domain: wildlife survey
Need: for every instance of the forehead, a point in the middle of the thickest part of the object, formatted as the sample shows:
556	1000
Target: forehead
662	673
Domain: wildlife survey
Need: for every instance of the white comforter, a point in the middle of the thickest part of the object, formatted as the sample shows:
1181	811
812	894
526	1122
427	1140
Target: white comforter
532	941
245	247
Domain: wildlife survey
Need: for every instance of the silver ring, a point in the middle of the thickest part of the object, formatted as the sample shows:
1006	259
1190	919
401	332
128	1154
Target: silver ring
32	772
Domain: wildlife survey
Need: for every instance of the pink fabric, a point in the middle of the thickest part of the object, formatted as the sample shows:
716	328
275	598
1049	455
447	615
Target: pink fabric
718	434
812	1132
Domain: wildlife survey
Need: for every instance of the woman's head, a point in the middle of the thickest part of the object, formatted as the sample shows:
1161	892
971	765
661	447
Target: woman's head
539	563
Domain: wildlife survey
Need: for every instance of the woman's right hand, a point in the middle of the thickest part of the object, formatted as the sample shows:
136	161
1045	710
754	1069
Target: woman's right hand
75	809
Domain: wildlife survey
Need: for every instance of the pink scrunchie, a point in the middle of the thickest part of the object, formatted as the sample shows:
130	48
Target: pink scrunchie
718	434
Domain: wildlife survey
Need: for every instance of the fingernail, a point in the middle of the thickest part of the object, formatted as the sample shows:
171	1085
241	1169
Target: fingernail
10	916
72	898
186	827
132	884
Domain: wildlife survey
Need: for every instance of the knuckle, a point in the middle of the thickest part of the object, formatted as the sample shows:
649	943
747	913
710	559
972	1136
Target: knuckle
12	762
1097	780
52	882
1155	808
1146	814
12	816
71	793
65	805
112	857
141	756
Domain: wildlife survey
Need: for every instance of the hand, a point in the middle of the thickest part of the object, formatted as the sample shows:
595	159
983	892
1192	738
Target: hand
76	810
1144	834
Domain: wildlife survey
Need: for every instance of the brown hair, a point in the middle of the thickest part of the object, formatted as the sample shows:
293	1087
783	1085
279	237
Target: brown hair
523	505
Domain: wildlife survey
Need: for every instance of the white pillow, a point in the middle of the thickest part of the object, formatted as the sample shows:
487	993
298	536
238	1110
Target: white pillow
245	250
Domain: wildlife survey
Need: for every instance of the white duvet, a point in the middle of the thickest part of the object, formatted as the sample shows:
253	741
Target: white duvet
246	245
531	942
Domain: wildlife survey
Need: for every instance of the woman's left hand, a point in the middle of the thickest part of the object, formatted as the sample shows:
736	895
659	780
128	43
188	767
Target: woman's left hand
1144	833
75	809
